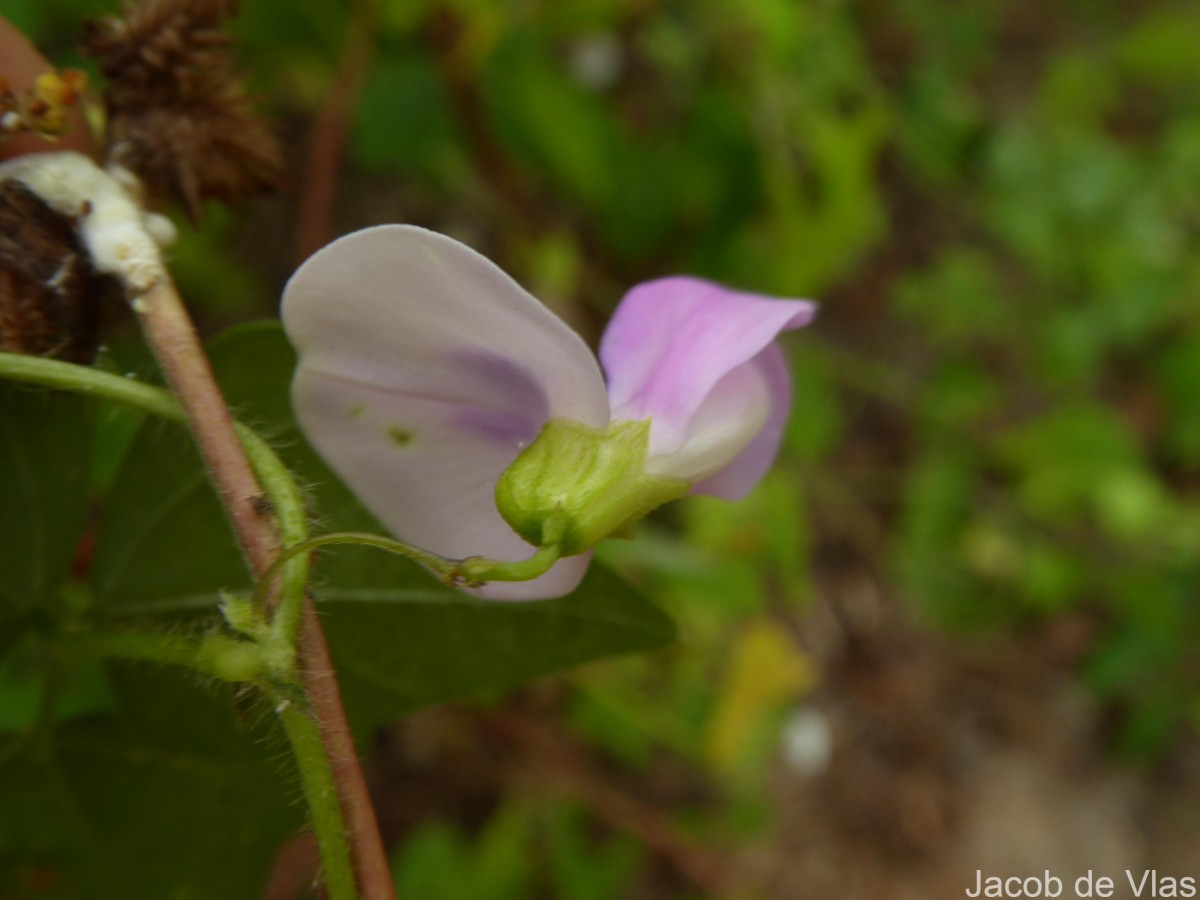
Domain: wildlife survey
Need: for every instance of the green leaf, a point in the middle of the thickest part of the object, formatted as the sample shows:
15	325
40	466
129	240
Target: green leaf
814	434
429	859
402	121
169	800
163	538
437	861
553	122
588	869
940	492
1178	371
30	677
12	629
1064	456
958	299
1162	47
45	449
399	639
397	648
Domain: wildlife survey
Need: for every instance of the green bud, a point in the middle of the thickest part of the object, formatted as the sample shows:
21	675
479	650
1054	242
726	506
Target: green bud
585	483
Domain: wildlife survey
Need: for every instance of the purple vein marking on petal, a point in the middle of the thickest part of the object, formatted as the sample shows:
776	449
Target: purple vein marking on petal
522	406
497	425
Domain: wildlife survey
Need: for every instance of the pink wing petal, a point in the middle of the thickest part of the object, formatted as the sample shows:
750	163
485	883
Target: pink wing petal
424	370
737	479
672	341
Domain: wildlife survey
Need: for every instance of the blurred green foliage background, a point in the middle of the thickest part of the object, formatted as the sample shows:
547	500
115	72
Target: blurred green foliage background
996	420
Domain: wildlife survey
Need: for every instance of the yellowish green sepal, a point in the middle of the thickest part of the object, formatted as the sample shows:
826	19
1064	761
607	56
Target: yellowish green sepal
592	481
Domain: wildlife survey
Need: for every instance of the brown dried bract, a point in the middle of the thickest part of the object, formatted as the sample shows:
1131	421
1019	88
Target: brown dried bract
179	115
50	295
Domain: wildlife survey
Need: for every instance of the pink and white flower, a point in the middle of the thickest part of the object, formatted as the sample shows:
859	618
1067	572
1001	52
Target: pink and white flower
425	371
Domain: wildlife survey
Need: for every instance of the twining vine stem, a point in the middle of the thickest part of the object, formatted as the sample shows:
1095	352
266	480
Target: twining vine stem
345	829
170	334
173	339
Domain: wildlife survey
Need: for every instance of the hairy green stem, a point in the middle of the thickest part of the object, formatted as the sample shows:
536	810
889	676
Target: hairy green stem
91	382
281	490
320	790
216	655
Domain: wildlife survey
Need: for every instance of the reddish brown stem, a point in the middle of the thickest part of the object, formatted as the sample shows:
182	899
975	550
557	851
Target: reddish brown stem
445	30
324	162
370	860
171	336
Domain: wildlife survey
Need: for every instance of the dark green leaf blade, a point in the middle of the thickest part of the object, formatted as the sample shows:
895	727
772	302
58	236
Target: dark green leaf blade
163	538
400	649
45	451
170	799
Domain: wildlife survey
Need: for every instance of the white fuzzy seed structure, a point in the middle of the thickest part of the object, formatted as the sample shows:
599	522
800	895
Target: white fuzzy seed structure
119	235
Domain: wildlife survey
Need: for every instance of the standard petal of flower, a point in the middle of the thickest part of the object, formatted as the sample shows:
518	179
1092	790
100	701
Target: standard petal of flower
671	341
736	479
424	370
408	309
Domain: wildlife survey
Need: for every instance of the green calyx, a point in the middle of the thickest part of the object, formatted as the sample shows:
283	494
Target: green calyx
589	484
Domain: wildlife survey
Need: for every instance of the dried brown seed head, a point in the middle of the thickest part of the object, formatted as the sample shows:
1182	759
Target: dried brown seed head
178	112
